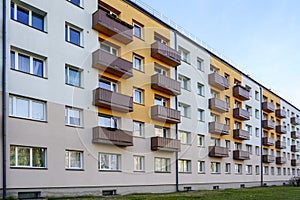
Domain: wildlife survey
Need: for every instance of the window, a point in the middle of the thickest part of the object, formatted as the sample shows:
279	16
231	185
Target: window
184	82
278	170
249	109
137	30
73	76
138	128
138	163
73	159
108	85
184	109
215	167
257	151
266	170
138	96
162	132
162	164
75	2
138	63
227	144
184	165
248	169
160	101
200	64
110	162
249	148
256	169
227	168
27	157
256	114
160	70
108	121
238	168
272	171
249	89
184	55
238	146
257	132
201	167
27	108
28	17
73	34
200	89
73	116
257	95
109	49
161	39
200	140
27	63
185	137
201	115
249	129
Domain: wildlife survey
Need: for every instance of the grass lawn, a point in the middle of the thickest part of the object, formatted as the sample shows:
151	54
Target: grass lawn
259	193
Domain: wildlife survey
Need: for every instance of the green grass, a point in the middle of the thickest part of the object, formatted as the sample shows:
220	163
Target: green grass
259	193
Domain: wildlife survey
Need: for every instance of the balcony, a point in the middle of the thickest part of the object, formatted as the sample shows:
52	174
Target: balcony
165	54
280	160
241	114
112	64
165	84
294	162
241	93
280	113
281	129
217	151
165	144
295	121
268	158
103	135
218	128
218	81
268	141
294	148
112	27
268	124
280	144
268	107
164	114
112	100
295	135
218	105
241	134
241	155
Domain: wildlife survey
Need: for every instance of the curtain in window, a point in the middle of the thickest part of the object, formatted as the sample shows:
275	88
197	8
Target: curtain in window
23	156
37	67
22	108
74	78
38	110
24	63
38	157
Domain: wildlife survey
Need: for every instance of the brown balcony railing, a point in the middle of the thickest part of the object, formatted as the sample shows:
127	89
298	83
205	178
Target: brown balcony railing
268	107
161	113
295	134
165	144
280	160
112	100
294	148
241	114
268	158
268	141
294	162
241	134
280	144
218	81
165	84
295	121
112	26
241	155
280	113
268	124
281	129
112	64
217	151
103	135
166	54
218	128
218	105
241	93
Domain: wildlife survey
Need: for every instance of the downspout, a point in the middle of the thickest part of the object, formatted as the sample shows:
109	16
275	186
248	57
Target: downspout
261	143
176	126
4	98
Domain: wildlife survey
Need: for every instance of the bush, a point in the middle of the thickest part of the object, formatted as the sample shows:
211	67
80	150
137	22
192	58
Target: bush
295	181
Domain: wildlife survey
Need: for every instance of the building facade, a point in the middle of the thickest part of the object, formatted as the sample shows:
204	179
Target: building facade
103	98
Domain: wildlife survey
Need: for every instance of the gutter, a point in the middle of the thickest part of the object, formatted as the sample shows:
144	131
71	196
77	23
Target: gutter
176	126
261	143
4	99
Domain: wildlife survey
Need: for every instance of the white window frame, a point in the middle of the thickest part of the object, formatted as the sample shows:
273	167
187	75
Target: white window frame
201	67
200	140
249	169
159	164
140	130
201	115
114	121
141	92
141	61
75	28
67	75
69	109
227	168
215	167
68	156
135	25
80	3
114	87
162	131
185	110
238	168
201	166
185	82
184	166
185	137
160	70
185	55
138	163
200	89
110	161
112	50
158	100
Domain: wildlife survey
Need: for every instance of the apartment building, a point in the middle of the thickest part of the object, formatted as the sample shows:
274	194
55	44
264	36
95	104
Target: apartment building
104	97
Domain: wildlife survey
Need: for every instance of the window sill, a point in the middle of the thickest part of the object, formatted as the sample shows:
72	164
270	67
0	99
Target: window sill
186	89
162	172
201	121
78	6
139	171
217	173
74	169
138	70
141	137
139	38
186	61
189	144
101	170
74	44
34	120
186	117
74	126
141	104
42	77
30	26
201	95
79	87
201	172
185	172
29	168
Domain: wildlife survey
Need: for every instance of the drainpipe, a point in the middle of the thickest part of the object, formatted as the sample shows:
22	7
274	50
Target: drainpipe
261	143
176	126
4	99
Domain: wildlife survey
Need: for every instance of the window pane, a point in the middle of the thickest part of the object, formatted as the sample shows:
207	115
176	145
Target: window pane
24	63
104	162
104	84
22	108
74	117
74	36
137	31
12	60
23	156
38	67
137	96
12	11
66	33
12	156
37	21
74	77
104	121
38	110
75	159
38	157
23	15
76	2
105	47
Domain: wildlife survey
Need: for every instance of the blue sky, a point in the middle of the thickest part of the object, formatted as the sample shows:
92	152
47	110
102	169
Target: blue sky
261	36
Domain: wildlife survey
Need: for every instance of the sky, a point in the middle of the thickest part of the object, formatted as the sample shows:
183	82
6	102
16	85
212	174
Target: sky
261	36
